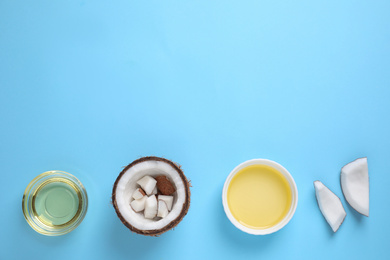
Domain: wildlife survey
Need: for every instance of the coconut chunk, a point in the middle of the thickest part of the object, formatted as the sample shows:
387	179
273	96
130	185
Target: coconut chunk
139	204
167	199
164	185
150	207
138	194
162	209
155	191
330	205
147	183
355	185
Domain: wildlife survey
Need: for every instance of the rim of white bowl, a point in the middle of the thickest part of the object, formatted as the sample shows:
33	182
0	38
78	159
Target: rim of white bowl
294	193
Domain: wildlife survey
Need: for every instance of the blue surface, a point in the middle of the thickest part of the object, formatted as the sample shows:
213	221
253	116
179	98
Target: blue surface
89	86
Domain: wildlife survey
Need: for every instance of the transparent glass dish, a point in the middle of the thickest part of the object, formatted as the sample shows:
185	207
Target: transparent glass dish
54	203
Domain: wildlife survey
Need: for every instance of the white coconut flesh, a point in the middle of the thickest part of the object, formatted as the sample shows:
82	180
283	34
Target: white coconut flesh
355	185
151	207
138	204
162	209
138	194
128	184
167	199
330	205
148	184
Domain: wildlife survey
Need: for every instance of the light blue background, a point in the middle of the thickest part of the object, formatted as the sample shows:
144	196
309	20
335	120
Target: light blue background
89	86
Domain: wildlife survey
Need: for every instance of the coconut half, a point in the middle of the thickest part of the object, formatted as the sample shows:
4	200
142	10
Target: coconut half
355	185
126	184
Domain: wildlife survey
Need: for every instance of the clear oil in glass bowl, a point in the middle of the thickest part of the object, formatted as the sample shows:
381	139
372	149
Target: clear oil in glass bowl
55	203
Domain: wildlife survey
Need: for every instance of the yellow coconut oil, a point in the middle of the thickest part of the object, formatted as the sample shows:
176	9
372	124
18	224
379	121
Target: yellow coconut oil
259	196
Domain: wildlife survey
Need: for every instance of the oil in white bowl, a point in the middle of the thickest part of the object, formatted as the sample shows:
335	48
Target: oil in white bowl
259	196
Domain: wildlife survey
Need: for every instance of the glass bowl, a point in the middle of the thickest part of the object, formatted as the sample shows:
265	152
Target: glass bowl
54	203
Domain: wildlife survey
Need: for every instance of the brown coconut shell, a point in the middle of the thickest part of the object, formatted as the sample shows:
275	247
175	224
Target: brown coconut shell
172	224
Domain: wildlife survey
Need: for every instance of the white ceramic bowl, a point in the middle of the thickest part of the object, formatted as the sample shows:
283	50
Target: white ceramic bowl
294	194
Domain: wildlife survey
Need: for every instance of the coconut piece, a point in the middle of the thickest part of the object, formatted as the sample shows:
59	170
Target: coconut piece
164	185
147	183
125	185
139	204
330	205
154	192
138	194
162	209
355	185
167	199
150	207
